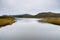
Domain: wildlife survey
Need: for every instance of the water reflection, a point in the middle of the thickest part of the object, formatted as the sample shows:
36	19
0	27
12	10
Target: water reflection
41	21
30	29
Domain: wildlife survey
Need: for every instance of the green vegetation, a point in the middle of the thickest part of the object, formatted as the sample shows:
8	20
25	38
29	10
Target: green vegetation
6	20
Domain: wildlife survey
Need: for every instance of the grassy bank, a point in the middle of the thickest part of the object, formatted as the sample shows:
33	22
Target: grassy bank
6	20
53	20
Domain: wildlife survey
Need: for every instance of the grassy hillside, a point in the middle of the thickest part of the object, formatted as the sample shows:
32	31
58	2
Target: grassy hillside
39	15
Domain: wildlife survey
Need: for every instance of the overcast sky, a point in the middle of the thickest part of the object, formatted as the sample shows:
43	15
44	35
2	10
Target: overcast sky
28	6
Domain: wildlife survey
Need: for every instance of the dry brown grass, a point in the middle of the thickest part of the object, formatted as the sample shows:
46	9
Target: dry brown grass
6	21
52	20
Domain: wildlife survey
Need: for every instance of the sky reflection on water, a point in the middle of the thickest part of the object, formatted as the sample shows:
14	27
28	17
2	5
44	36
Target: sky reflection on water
25	29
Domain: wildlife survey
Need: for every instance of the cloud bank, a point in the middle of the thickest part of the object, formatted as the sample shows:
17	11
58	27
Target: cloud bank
28	6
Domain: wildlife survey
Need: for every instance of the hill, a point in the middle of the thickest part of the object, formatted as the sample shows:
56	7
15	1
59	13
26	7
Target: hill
39	15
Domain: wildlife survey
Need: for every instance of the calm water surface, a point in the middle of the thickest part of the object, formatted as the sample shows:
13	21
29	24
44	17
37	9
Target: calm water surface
30	29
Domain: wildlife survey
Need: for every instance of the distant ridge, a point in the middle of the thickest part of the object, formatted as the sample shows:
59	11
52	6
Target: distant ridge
39	15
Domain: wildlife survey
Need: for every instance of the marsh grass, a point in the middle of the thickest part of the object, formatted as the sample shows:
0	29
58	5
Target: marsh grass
6	21
54	20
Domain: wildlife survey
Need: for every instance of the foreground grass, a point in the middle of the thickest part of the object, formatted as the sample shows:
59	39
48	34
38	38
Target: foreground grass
53	20
6	20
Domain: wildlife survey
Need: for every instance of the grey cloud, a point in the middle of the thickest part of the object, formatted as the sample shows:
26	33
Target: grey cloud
28	6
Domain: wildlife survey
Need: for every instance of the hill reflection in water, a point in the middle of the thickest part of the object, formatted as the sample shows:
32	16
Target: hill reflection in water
28	28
